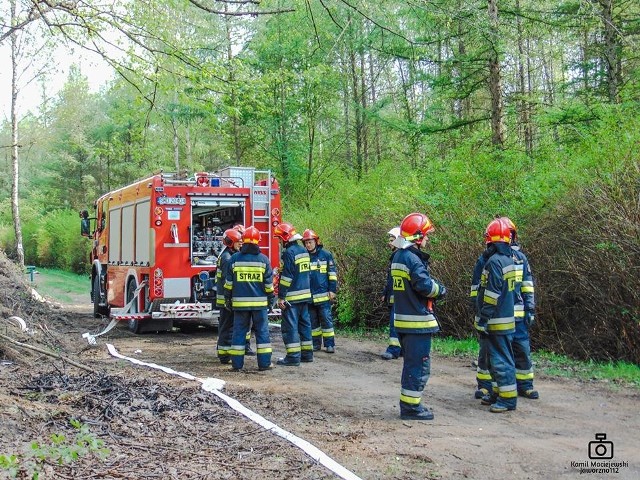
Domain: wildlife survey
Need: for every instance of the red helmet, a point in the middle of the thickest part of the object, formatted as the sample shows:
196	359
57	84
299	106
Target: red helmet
252	235
310	235
231	236
415	227
512	227
239	227
497	231
284	231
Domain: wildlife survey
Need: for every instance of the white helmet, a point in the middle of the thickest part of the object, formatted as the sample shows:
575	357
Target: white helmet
394	232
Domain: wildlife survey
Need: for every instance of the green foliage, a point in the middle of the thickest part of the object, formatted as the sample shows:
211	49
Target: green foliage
451	347
51	239
60	451
61	285
560	365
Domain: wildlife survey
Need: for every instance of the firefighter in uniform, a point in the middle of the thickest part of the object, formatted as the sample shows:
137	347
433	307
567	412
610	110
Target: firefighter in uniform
294	295
232	240
495	299
393	349
483	375
323	281
249	293
414	291
247	349
525	315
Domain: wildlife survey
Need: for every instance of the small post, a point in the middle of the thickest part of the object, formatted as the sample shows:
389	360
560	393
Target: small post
31	270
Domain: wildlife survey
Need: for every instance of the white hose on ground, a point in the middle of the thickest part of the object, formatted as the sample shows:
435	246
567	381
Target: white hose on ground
21	323
214	385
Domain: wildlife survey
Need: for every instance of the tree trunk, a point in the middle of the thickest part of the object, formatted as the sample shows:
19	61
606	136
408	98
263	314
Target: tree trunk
15	205
495	79
176	144
235	123
363	108
612	48
374	99
357	113
187	146
525	119
311	133
348	154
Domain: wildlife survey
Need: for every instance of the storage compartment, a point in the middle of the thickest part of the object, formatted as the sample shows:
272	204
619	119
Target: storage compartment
210	217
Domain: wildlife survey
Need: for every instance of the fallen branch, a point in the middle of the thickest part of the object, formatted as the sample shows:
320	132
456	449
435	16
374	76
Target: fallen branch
48	353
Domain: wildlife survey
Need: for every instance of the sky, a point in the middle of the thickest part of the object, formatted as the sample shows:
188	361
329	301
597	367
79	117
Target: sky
91	65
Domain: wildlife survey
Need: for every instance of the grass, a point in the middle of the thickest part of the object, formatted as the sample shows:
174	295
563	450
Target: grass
622	373
552	364
60	285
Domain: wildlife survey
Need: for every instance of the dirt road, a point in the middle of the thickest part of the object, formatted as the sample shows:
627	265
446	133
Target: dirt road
346	404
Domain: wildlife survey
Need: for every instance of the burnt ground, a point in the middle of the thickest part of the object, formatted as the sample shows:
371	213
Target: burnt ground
139	423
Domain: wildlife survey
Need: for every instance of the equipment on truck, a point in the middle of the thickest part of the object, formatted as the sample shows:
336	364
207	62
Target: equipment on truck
156	242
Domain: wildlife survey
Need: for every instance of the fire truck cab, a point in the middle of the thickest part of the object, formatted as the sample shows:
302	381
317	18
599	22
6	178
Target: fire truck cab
156	243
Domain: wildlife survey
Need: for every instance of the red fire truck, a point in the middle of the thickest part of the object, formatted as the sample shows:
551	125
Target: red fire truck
156	242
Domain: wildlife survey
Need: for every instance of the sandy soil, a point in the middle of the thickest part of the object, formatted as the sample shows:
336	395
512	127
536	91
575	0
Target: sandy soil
346	404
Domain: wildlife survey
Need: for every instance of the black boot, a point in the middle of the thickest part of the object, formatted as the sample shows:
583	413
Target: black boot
423	415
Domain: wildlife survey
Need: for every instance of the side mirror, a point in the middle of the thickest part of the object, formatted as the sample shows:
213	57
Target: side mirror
85	227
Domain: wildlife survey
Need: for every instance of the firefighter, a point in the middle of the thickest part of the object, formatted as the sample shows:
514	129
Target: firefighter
248	291
524	315
247	349
232	240
323	280
483	375
393	349
495	299
294	295
413	318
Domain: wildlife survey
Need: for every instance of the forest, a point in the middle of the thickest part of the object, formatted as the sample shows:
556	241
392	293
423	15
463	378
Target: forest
365	111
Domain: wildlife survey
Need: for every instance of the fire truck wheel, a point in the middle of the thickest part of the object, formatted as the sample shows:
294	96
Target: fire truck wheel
98	310
134	325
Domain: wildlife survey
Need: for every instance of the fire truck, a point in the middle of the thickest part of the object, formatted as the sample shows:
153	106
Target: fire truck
156	243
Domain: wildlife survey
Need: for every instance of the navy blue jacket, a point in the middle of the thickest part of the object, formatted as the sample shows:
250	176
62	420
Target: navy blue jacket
524	290
249	279
294	285
323	277
496	292
412	287
221	265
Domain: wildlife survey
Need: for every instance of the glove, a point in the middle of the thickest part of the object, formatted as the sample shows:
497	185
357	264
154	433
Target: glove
443	291
481	326
227	304
529	319
270	302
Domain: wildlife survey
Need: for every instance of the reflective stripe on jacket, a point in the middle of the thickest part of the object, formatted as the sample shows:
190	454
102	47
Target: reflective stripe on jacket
221	265
524	289
294	277
412	286
323	277
496	293
249	279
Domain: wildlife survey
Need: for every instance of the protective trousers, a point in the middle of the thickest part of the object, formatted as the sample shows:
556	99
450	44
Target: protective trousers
503	370
225	329
416	369
483	374
394	343
296	333
522	356
241	325
321	325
